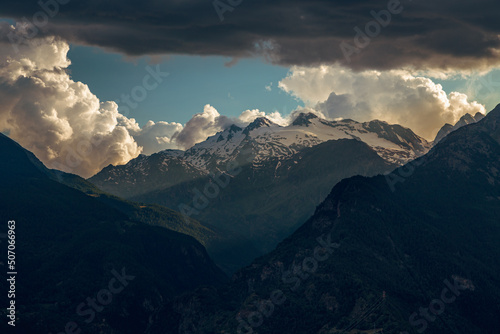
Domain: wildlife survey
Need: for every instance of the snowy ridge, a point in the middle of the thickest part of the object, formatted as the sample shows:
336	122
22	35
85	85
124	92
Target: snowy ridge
393	143
258	143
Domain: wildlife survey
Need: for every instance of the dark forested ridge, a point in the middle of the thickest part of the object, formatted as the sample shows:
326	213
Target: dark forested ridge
70	246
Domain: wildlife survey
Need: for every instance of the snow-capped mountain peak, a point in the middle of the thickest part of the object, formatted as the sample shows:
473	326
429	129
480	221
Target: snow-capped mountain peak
267	140
262	144
304	119
259	123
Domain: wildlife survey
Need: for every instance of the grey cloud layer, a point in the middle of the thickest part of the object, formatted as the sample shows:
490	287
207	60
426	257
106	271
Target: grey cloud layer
438	34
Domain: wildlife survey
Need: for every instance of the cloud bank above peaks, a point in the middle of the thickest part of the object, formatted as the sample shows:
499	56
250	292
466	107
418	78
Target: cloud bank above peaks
67	127
394	96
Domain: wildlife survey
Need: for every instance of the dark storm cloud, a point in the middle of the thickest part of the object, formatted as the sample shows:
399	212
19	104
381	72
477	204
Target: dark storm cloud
444	34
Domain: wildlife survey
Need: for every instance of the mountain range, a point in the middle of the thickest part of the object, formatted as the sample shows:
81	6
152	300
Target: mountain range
255	185
261	140
412	251
400	250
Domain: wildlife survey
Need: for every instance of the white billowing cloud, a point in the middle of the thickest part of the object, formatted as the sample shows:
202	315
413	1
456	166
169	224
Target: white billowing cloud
153	137
249	116
201	126
59	120
393	96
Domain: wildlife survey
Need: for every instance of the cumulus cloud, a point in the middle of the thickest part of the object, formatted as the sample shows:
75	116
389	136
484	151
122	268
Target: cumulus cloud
61	120
58	119
250	115
153	137
394	96
200	126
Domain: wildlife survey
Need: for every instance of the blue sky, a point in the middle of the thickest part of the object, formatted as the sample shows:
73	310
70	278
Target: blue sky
193	82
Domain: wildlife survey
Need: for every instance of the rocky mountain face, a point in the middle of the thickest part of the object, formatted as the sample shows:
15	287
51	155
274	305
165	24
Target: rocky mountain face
413	251
464	120
85	265
146	173
256	185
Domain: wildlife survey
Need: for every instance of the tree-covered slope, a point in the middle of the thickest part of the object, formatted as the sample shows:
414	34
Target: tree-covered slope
151	214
